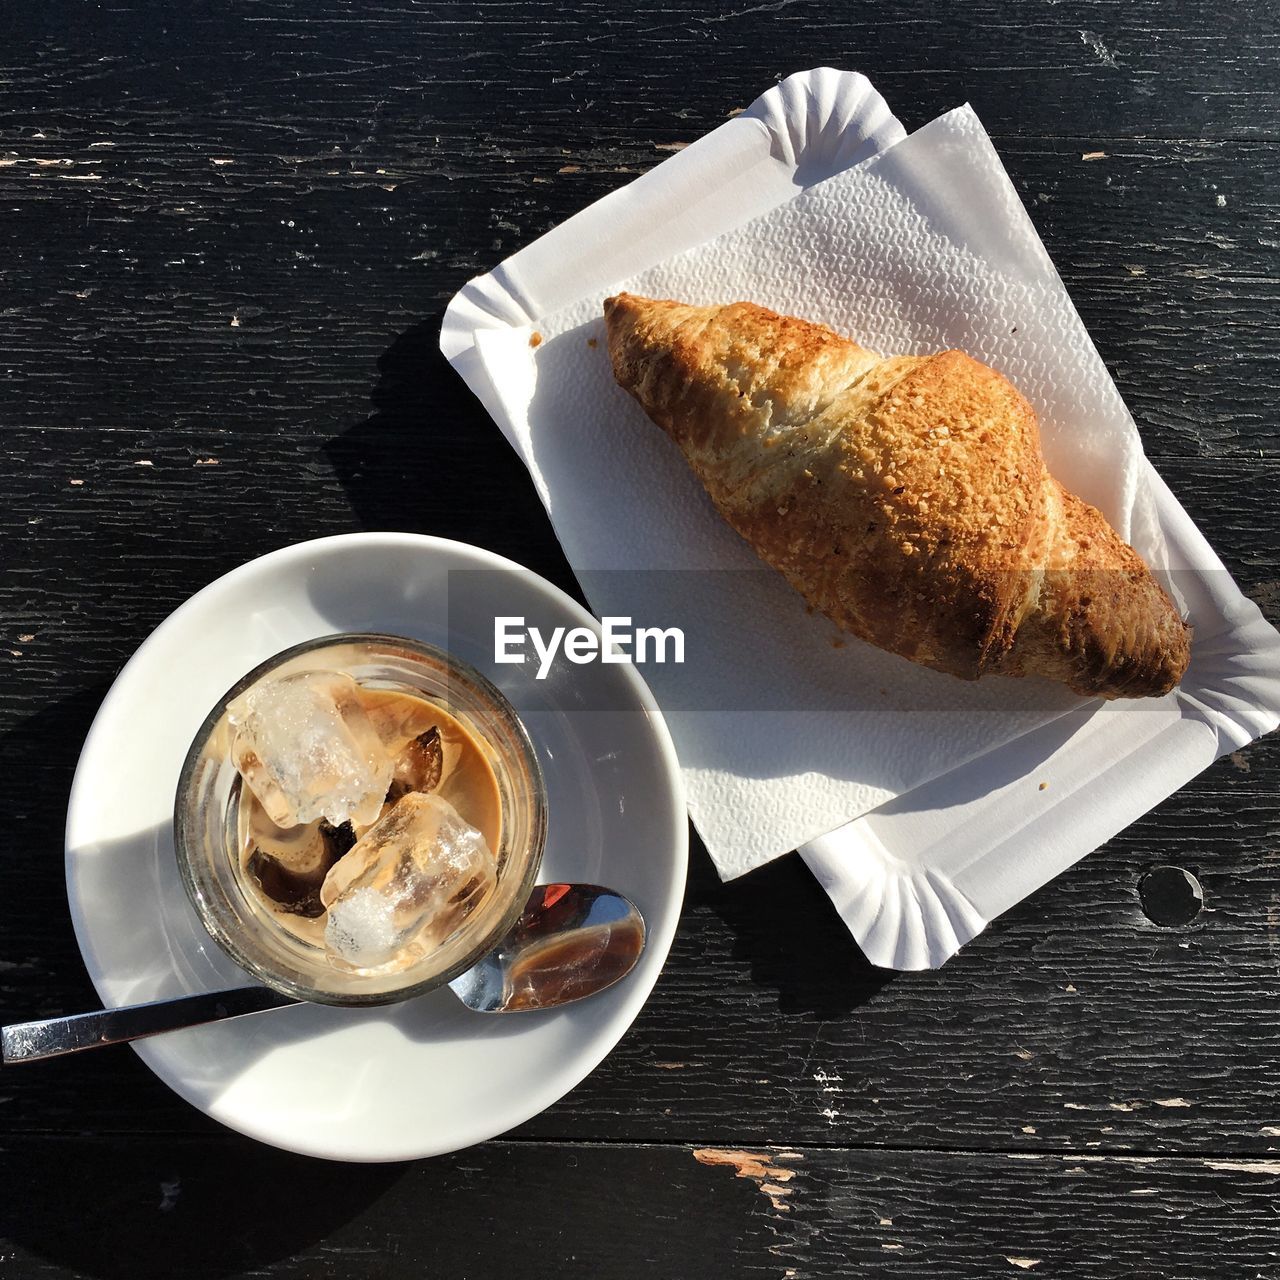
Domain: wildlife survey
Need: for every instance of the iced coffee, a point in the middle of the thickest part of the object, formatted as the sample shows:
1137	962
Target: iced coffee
366	819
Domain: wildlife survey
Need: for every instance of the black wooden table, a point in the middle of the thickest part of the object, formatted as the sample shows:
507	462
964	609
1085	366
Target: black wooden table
227	233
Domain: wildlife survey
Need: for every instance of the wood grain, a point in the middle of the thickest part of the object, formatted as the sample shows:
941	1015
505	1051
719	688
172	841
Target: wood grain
226	239
670	1211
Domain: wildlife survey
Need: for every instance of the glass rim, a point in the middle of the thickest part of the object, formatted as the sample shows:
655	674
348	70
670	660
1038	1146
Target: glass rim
485	943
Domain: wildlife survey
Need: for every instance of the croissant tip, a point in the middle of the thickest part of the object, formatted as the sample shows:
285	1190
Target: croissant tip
621	302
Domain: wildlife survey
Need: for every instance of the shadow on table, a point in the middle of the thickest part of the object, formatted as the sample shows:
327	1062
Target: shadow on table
785	927
124	1205
135	1208
38	757
430	460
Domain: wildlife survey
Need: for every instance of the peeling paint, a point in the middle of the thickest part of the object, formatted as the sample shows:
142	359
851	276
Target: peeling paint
1172	1102
830	1081
1093	42
1024	1263
758	1166
1263	1168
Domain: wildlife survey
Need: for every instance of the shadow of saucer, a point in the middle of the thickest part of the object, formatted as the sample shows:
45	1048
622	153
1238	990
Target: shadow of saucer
158	1208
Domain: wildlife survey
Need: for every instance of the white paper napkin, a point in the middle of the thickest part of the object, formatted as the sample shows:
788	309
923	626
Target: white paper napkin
783	736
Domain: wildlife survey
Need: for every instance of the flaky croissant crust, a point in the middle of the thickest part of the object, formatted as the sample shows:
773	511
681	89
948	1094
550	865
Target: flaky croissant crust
905	497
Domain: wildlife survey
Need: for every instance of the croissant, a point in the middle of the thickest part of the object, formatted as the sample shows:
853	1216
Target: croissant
905	497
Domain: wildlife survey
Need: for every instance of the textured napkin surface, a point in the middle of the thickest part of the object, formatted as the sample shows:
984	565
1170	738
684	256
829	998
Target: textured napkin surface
784	736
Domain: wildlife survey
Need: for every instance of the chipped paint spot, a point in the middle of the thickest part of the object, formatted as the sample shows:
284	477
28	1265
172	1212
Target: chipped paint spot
1094	155
830	1114
1092	42
1267	1130
220	160
569	168
235	322
77	482
886	1222
1024	1263
206	462
669	146
1069	989
758	1166
143	462
1237	759
1028	1128
1263	1168
830	1081
1172	1102
1221	201
28	636
1025	1054
671	1066
890	1246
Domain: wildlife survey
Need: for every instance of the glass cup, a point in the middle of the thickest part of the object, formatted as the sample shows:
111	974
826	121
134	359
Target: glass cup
207	837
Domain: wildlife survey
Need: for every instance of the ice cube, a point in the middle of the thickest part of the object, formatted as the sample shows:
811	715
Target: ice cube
305	747
407	884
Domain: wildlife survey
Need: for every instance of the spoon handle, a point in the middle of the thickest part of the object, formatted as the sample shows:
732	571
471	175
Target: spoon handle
53	1037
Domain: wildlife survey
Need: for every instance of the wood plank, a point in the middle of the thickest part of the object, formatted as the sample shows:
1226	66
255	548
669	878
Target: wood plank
1150	68
256	299
557	1211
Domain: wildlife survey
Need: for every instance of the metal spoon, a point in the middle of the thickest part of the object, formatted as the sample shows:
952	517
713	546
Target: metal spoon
572	941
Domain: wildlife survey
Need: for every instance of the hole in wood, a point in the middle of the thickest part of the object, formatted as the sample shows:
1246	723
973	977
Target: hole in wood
1170	896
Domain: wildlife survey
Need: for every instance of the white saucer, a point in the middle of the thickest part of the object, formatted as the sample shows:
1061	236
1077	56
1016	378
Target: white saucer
408	1080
